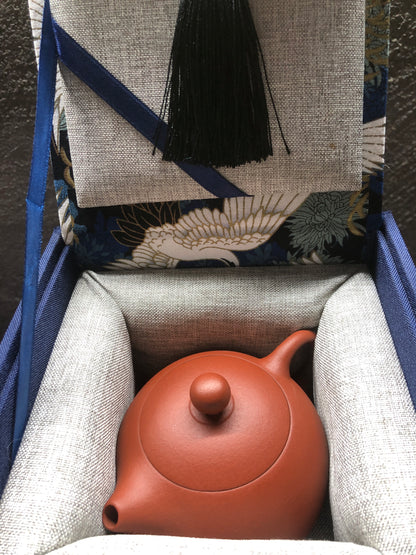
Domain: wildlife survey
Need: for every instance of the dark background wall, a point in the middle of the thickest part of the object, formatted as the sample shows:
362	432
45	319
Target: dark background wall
17	102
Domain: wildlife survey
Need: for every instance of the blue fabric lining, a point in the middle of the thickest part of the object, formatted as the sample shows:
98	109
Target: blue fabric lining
133	110
398	311
50	313
401	256
9	347
34	217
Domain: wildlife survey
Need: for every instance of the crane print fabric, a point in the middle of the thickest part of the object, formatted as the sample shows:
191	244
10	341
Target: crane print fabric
273	229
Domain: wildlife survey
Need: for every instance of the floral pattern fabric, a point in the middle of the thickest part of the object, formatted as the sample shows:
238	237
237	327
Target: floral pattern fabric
280	229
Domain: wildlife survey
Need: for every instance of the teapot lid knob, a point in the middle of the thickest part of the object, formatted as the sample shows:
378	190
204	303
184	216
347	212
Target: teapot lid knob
210	393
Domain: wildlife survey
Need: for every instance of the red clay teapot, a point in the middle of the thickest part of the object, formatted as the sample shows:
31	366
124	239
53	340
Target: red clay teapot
221	444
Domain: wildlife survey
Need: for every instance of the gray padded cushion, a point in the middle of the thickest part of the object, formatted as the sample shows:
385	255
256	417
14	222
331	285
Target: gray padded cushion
370	421
65	468
173	314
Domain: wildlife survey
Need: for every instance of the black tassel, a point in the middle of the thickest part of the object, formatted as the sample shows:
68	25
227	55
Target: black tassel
214	98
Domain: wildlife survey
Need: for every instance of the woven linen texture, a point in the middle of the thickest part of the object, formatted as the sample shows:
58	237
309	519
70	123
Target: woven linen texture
314	53
150	545
173	314
65	469
370	422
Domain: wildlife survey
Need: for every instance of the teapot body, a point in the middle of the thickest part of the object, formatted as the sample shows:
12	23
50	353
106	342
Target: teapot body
221	444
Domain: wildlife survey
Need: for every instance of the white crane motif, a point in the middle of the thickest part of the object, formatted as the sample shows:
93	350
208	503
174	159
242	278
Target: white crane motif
203	234
374	139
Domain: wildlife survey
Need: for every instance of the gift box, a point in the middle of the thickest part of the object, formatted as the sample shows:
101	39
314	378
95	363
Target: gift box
156	260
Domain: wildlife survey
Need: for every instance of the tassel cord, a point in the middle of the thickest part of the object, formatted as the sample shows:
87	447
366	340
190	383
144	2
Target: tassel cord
214	100
266	78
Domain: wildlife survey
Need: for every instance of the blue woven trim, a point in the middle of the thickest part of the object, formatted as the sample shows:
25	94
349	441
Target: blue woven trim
34	217
398	311
402	259
133	110
49	315
9	346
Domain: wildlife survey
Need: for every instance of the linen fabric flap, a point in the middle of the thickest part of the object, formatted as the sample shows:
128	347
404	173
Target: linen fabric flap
314	55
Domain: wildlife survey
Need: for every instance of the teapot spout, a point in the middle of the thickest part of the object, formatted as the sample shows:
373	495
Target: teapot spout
278	362
117	512
111	516
125	507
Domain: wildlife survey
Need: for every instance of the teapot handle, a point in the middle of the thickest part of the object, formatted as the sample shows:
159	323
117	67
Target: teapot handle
278	362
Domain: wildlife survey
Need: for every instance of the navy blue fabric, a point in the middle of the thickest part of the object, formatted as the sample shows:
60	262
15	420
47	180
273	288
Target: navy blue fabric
50	312
7	410
133	110
401	257
34	217
9	347
397	309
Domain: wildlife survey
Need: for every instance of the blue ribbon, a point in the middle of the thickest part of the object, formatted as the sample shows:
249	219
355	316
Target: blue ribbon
34	217
133	110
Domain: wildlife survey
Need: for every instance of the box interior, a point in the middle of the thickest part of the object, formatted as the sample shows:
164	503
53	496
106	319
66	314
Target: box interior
121	325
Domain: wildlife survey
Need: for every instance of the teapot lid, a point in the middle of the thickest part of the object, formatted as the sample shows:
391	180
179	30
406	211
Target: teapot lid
214	421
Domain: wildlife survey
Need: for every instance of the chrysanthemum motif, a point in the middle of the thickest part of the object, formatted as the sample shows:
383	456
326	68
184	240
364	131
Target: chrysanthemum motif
36	15
204	234
374	139
320	221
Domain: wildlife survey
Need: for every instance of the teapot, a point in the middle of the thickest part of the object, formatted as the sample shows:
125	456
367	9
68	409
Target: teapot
221	444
